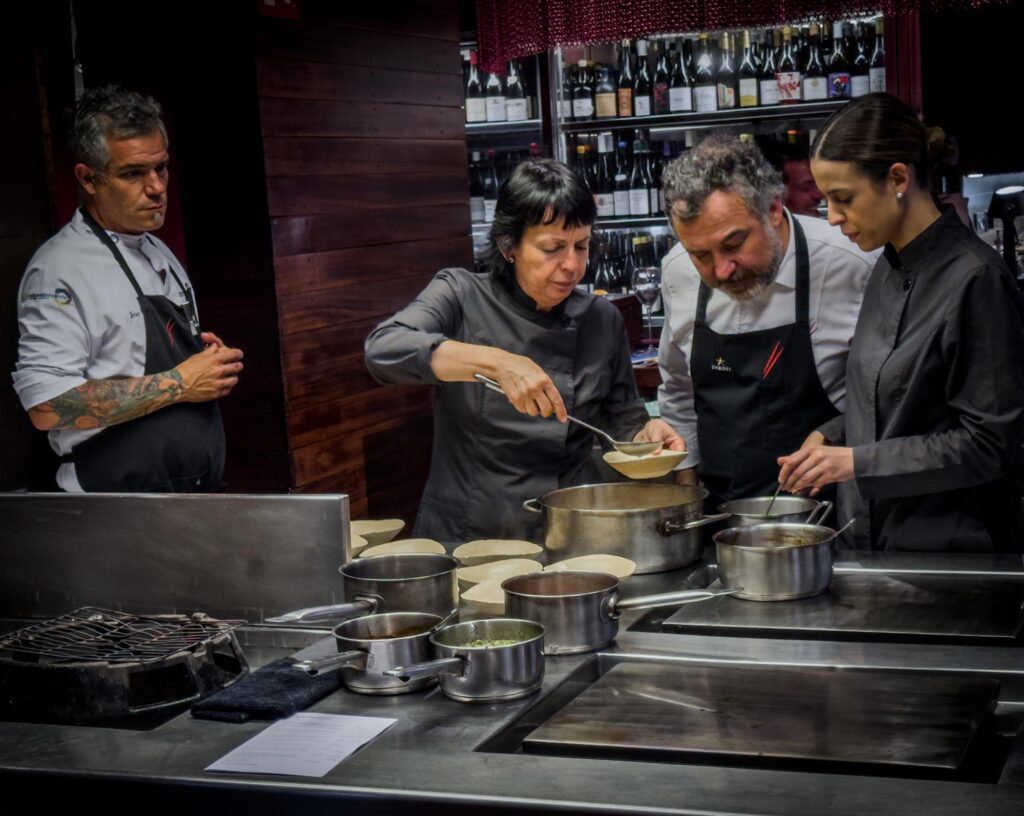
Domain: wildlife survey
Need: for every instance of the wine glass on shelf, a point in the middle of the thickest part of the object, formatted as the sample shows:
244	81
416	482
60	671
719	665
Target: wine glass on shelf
647	286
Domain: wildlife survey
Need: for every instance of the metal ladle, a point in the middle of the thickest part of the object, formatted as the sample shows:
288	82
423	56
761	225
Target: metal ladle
629	448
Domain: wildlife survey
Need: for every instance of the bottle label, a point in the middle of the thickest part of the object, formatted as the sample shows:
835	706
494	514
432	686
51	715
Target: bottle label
815	88
605	205
582	108
680	100
565	108
860	86
642	105
706	98
839	85
639	202
515	110
789	86
620	202
654	201
489	205
769	92
495	109
476	110
726	96
877	80
607	105
476	209
625	96
661	97
748	93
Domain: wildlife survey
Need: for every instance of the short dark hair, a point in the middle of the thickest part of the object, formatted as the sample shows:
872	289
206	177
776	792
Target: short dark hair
876	131
110	111
538	191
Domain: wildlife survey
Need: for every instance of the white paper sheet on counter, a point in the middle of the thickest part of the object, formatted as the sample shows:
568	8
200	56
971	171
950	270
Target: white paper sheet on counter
303	745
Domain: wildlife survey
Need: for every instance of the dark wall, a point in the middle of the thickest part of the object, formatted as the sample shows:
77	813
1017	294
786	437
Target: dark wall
972	72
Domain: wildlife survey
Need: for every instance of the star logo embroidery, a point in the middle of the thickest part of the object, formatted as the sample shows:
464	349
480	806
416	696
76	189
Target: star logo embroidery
720	361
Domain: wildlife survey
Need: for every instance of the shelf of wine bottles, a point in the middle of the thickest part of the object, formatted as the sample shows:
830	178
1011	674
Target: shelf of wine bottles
500	102
616	254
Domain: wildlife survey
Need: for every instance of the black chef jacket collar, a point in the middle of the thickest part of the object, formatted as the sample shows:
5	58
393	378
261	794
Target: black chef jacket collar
511	285
924	245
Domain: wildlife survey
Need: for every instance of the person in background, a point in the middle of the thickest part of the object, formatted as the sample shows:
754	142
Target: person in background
926	452
552	348
760	306
111	361
802	195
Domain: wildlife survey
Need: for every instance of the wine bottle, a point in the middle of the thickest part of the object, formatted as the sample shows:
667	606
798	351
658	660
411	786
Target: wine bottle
476	190
726	80
705	92
815	76
490	184
838	65
748	75
639	181
582	95
515	95
654	170
476	106
565	98
860	80
621	199
605	280
788	74
680	88
661	72
769	85
876	69
605	187
625	86
604	94
495	91
642	82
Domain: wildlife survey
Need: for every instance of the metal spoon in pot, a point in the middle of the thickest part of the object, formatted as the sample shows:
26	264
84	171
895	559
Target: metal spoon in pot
629	448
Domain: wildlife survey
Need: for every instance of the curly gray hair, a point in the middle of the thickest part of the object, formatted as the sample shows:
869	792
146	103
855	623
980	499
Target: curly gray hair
110	111
721	162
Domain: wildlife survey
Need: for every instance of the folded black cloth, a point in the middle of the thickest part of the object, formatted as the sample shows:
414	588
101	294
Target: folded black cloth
274	691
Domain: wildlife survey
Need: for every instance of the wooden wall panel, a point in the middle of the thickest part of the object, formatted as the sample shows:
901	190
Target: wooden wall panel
367	188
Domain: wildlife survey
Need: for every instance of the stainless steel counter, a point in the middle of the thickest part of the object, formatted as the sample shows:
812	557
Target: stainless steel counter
447	757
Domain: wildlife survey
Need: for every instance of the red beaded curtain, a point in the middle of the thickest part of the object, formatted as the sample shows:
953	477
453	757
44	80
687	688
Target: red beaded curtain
507	29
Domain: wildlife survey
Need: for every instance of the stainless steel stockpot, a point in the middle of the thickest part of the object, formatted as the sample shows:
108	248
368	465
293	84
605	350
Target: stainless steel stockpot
776	562
405	582
655	525
472	672
371	645
785	510
580	610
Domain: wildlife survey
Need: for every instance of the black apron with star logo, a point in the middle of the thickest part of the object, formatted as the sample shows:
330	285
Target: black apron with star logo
177	449
757	394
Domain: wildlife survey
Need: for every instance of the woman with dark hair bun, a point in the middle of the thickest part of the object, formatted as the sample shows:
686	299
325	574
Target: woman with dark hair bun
553	349
926	453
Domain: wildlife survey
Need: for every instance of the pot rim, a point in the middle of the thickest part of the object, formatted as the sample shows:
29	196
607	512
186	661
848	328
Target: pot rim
599	511
364	618
774	548
452	562
538	636
562	595
724	507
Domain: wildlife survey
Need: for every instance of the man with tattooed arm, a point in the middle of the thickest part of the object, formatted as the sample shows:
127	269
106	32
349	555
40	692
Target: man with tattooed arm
111	359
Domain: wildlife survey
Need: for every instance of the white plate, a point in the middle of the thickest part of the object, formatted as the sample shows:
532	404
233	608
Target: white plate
597	562
376	531
487	598
484	550
405	545
649	466
357	544
495	571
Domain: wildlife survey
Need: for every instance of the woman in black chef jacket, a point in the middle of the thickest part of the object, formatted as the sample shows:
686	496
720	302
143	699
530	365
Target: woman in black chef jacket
553	349
926	453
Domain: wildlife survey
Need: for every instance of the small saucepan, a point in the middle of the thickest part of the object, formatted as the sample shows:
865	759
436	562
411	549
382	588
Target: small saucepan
484	661
371	645
404	582
784	510
580	610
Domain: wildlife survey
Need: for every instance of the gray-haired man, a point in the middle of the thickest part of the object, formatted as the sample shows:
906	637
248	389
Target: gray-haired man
760	307
111	361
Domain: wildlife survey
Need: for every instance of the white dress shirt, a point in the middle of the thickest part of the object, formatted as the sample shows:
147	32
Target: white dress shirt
838	275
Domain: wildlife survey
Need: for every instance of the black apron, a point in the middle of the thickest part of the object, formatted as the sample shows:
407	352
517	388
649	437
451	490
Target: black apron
177	449
757	394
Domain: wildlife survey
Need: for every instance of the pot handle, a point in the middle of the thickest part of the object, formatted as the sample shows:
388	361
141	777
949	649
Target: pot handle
431	668
670	526
444	621
819	513
356	659
363	606
671	598
532	506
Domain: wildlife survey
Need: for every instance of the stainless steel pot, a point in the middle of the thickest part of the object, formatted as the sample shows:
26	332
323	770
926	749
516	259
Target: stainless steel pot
655	525
407	582
370	646
480	673
785	510
776	562
580	610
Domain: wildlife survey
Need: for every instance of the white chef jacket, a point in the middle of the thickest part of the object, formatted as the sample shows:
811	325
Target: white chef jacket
838	276
79	318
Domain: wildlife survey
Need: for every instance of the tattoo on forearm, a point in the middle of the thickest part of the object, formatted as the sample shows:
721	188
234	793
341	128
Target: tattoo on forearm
99	403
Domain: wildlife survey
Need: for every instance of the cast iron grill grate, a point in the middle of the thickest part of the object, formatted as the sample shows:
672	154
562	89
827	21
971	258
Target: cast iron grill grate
90	634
